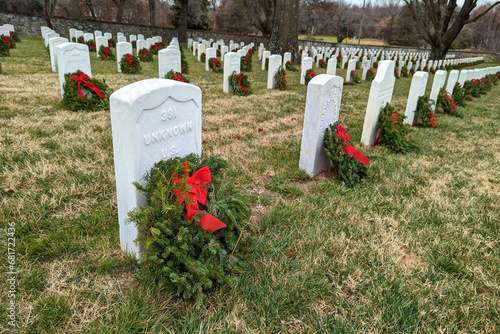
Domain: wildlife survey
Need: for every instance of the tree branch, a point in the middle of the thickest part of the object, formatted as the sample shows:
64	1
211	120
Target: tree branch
477	17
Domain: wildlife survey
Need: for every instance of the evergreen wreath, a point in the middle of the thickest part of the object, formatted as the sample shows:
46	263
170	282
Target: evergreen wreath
281	78
470	90
184	63
358	66
458	95
145	55
217	52
203	57
106	53
396	72
404	71
445	101
370	75
240	84
156	47
84	93
215	65
290	67
267	64
309	75
91	45
341	153
393	133
130	64
111	43
425	111
81	40
9	40
355	77
375	64
4	47
322	63
246	64
15	36
176	76
432	70
184	255
134	44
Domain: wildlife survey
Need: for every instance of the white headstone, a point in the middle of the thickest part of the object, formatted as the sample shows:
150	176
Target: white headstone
48	36
120	34
306	64
231	64
380	94
53	42
140	37
88	36
417	89
168	60
324	94
132	38
97	33
139	45
201	49
100	41
108	35
366	68
72	57
286	58
72	34
151	120
223	51
210	53
122	49
121	39
274	66
331	66
452	81
437	84
351	66
265	55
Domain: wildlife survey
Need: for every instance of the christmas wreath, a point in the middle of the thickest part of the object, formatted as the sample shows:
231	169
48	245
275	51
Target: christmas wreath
322	63
176	76
432	70
458	95
309	75
396	72
215	65
15	36
355	77
91	45
202	57
145	55
184	63
370	75
111	43
83	93
218	52
240	84
289	66
4	46
81	40
472	89
267	64
134	44
156	47
106	53
375	64
130	64
281	78
445	101
341	153
404	72
393	134
246	64
424	111
191	225
9	40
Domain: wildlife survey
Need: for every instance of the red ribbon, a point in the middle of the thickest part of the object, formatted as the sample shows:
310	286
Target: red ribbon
214	62
433	122
197	194
83	79
453	106
92	45
154	46
11	34
106	51
348	148
241	86
6	40
110	43
130	60
145	53
312	74
178	77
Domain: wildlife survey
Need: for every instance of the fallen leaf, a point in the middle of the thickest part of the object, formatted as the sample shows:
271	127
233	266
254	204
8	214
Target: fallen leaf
293	119
204	142
260	130
95	130
292	254
411	259
9	190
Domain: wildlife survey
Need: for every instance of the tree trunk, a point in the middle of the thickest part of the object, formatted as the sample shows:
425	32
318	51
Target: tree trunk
119	13
48	11
152	6
183	22
284	34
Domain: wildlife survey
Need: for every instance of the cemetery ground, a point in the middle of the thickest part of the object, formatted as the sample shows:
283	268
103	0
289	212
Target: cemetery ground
413	248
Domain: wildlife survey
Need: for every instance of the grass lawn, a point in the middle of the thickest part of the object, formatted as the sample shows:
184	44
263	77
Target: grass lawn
333	39
414	248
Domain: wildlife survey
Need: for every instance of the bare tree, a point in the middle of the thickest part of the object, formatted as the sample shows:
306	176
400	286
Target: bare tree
183	21
49	7
284	33
152	7
120	5
261	14
441	21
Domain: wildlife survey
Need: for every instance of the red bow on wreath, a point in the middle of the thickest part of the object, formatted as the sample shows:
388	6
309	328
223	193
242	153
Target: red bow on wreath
348	148
178	77
82	78
214	62
154	46
110	43
283	81
194	194
145	53
240	77
130	60
6	40
106	51
11	34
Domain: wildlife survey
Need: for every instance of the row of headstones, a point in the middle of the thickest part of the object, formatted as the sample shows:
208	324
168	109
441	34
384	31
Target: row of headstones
147	126
6	29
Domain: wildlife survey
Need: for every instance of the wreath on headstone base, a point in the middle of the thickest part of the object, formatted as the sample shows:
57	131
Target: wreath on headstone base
322	63
266	66
81	40
445	101
130	64
404	71
145	55
458	95
91	45
157	47
192	243
203	57
4	47
176	76
348	163
290	67
83	93
246	63
9	40
396	72
215	65
370	75
111	43
240	84
184	63
281	79
393	133
424	111
355	78
309	75
15	36
106	53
